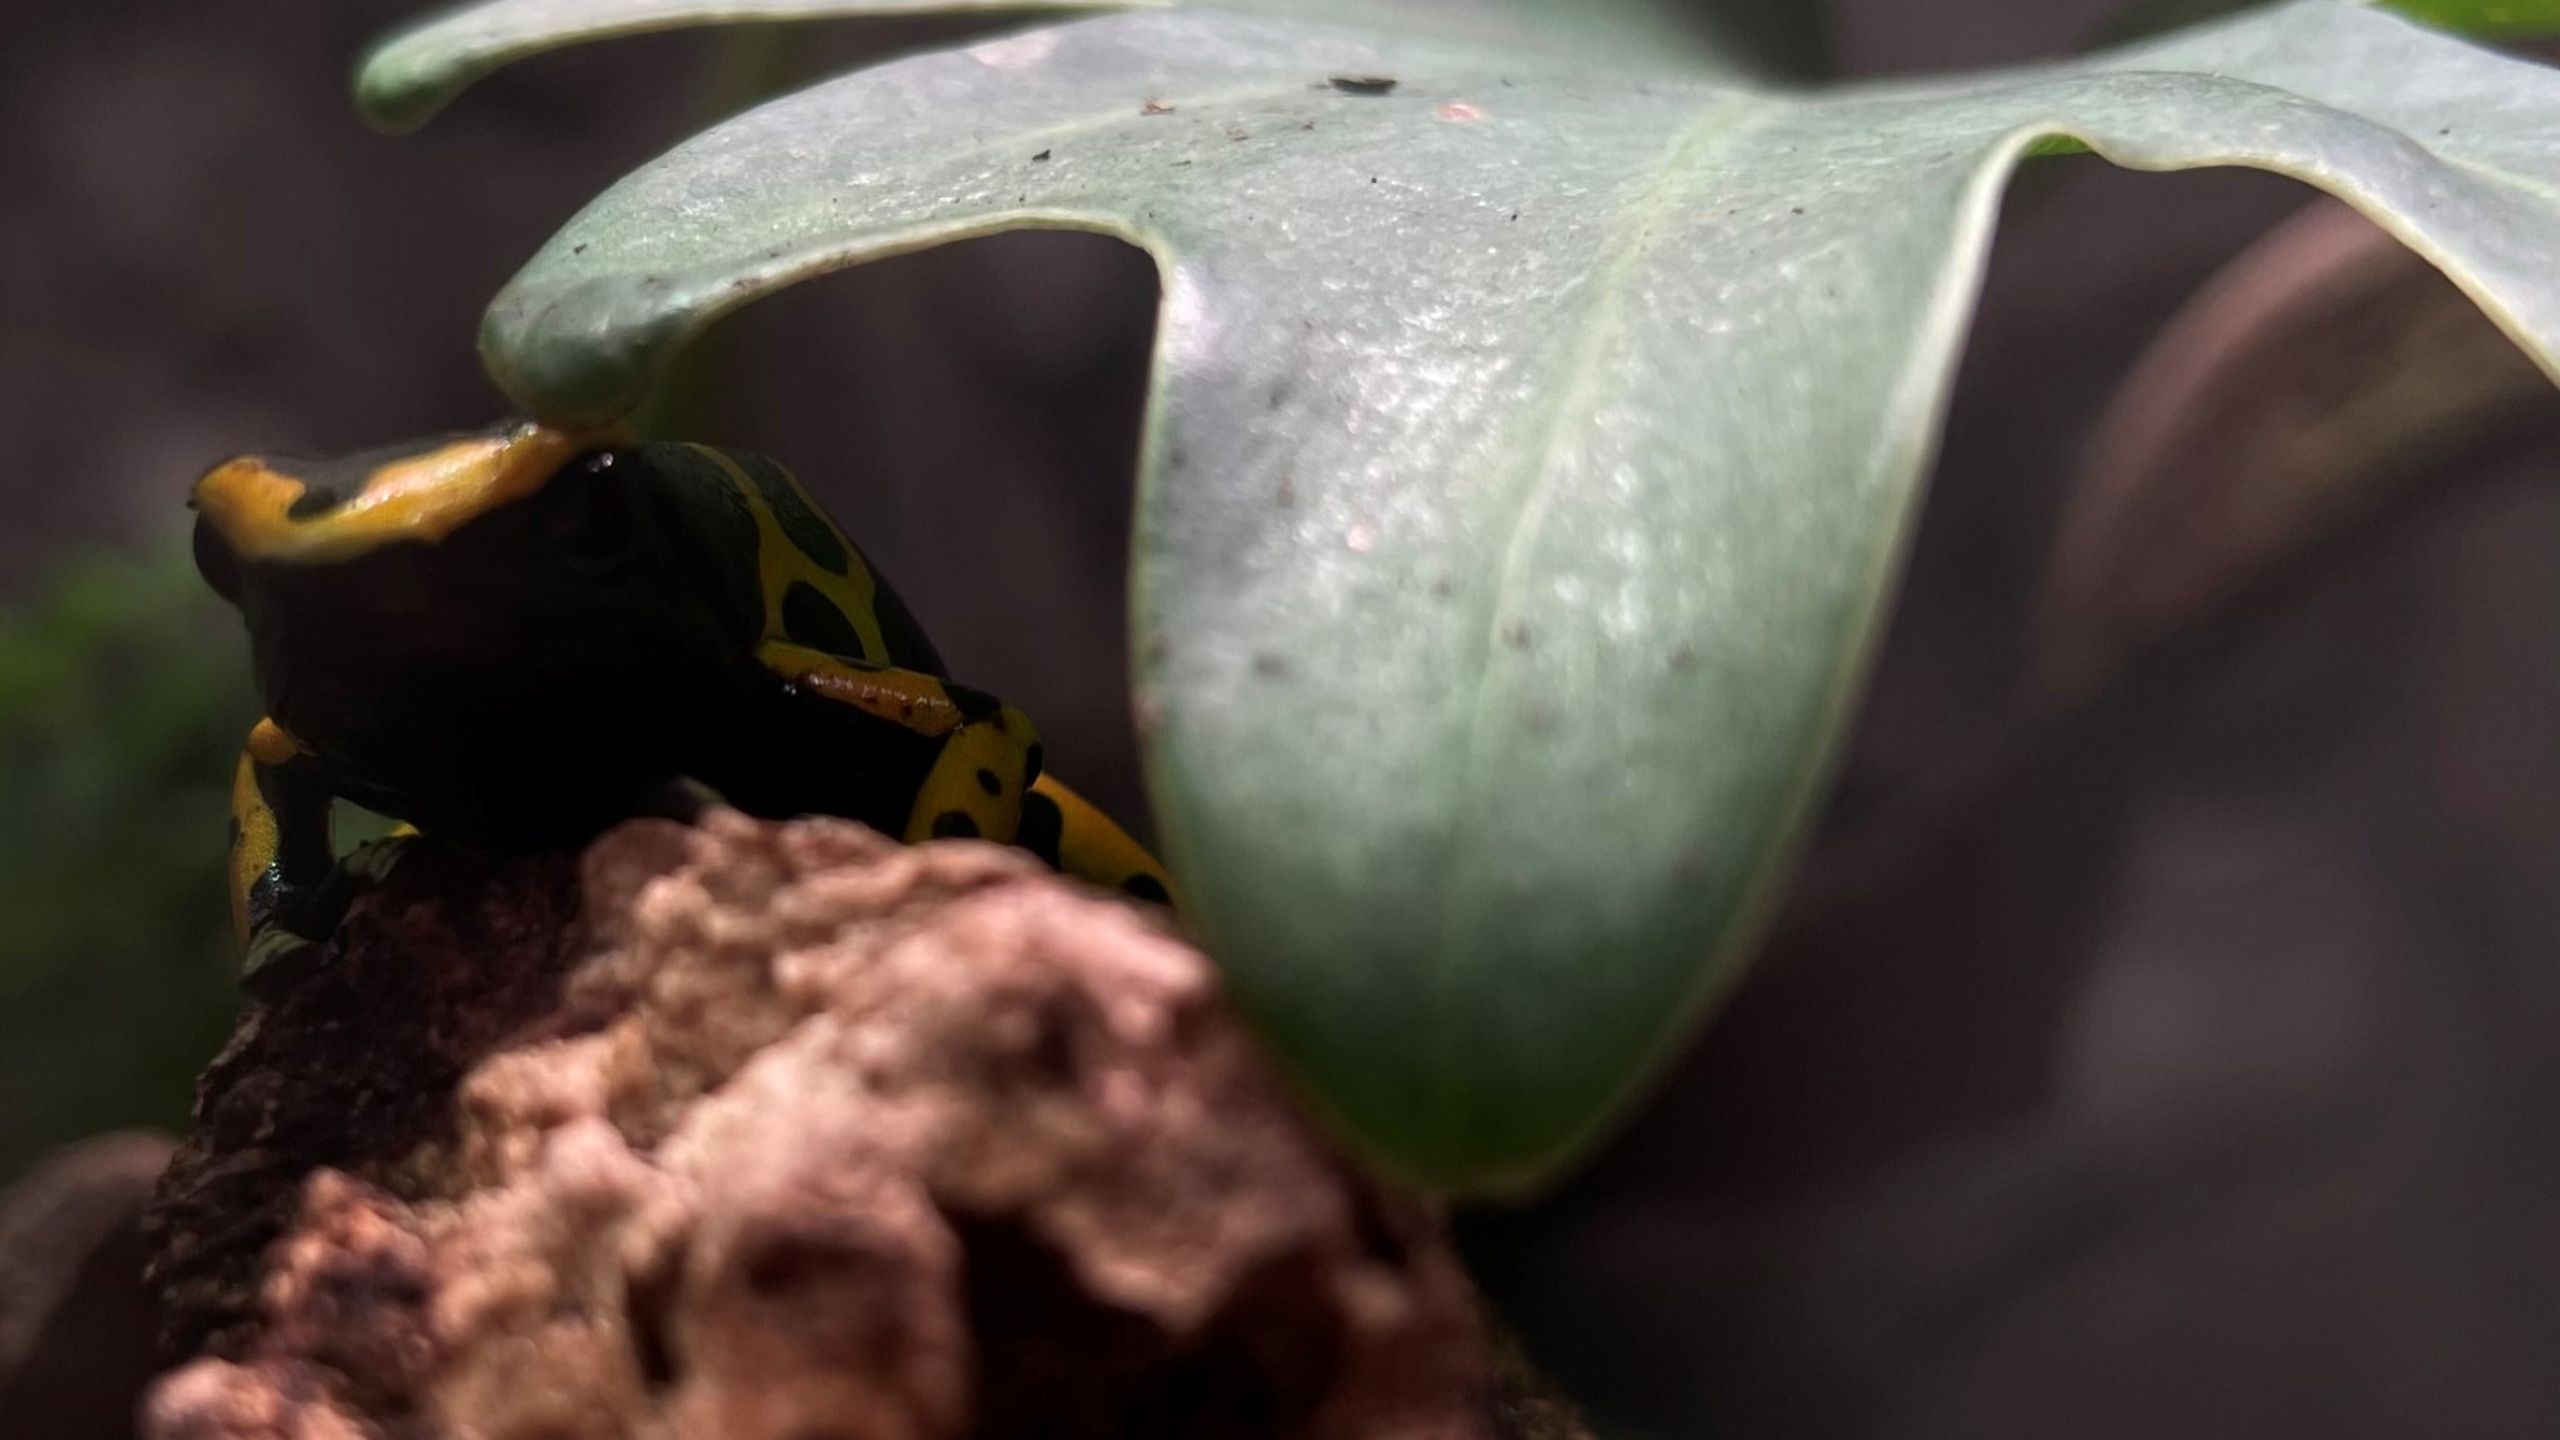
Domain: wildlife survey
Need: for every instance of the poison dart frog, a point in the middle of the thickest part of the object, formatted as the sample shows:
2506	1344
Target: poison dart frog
515	638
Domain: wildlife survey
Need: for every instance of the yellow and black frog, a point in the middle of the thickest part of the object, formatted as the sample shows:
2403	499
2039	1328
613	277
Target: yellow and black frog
515	638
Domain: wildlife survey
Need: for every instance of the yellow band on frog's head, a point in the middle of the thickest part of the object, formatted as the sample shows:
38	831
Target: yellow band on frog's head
272	514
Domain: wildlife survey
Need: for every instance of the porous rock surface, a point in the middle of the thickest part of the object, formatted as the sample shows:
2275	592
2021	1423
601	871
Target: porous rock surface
798	1133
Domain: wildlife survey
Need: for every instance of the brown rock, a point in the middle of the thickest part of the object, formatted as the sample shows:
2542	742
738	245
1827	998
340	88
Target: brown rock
819	1136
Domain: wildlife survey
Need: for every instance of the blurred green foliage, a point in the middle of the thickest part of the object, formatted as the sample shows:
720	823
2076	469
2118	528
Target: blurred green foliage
2493	19
124	691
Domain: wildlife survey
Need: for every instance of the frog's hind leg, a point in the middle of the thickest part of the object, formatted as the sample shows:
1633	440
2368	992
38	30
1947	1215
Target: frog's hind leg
1074	836
985	781
986	752
977	785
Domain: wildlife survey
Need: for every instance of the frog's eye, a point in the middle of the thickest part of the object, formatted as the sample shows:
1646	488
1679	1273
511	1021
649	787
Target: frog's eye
586	513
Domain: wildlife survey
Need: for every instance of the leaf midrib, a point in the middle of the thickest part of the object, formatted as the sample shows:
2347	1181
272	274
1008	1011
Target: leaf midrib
1722	122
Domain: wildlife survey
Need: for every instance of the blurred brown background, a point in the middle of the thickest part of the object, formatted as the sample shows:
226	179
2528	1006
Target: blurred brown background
2173	1056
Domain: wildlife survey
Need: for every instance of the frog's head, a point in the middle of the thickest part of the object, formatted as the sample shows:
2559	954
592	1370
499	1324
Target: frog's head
515	548
255	513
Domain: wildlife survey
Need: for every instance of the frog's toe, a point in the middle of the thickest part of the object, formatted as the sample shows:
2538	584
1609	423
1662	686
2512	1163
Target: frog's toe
277	960
679	798
373	861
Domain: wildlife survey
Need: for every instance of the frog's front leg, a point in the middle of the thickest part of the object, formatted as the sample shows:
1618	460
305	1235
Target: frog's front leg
989	756
287	890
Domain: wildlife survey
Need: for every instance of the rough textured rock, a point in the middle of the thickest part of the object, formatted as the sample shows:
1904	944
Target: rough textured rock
353	1069
799	1134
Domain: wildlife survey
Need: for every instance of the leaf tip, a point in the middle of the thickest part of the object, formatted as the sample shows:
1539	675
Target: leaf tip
560	372
397	90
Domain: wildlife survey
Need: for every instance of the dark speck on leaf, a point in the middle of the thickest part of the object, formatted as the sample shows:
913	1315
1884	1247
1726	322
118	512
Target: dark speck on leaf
1685	658
1795	209
578	249
1444	587
1515	214
1362	84
1043	155
1516	635
1271	667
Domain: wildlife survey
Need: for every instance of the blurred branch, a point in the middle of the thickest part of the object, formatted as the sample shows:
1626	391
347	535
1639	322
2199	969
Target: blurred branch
2325	372
2327	384
76	1326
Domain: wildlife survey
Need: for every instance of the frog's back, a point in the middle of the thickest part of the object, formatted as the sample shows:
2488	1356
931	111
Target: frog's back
783	560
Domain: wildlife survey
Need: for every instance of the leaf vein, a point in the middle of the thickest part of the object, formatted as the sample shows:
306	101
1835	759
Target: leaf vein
1723	122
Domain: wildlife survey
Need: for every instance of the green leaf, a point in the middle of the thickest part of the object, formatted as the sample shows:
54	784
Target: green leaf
417	72
1529	454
